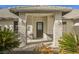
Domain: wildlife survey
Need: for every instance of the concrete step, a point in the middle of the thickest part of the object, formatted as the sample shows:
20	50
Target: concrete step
30	47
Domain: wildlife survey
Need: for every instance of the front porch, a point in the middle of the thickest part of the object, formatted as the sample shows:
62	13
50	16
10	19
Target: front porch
39	27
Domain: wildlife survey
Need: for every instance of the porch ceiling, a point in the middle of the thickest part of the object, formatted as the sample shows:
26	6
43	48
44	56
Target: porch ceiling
40	14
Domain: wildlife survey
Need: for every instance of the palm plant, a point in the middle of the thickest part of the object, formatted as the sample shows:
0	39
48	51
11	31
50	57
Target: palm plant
69	43
8	40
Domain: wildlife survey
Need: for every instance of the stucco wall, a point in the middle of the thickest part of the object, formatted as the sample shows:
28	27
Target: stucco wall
68	27
7	23
76	28
50	22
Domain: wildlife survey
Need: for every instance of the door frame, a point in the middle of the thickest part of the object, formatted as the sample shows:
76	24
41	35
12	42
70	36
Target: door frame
37	29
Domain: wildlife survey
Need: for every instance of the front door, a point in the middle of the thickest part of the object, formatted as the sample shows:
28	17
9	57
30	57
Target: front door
39	29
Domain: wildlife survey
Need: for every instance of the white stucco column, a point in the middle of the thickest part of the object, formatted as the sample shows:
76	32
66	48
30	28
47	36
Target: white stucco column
22	28
57	29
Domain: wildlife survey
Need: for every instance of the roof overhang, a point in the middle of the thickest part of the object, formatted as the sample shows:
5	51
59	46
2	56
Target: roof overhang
74	14
40	9
5	13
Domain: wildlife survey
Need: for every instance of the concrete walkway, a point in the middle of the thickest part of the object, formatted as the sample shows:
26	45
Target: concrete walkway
28	49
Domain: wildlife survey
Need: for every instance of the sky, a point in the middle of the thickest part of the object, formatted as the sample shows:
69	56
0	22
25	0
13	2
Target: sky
72	6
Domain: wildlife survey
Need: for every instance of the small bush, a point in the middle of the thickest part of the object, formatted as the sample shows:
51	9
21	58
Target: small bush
8	40
69	43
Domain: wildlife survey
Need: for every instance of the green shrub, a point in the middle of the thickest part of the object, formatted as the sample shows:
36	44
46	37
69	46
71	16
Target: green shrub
8	40
69	43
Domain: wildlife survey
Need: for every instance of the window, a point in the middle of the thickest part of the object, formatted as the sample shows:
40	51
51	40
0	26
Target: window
39	26
16	26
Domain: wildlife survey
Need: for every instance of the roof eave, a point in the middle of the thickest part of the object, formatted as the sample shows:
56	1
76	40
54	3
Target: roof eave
41	9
